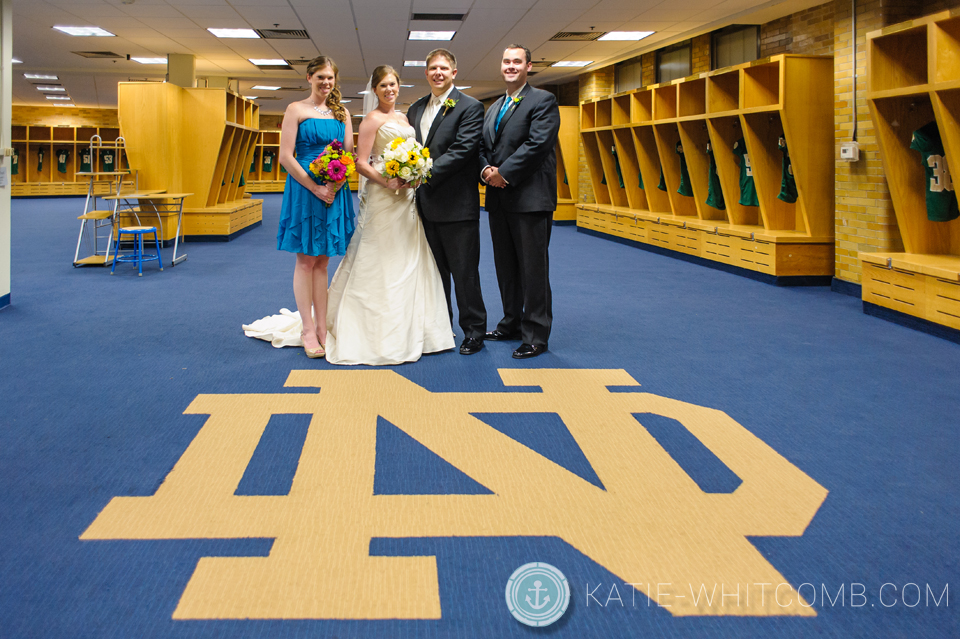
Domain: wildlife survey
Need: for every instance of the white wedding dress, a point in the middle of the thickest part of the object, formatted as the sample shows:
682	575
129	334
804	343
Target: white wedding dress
386	304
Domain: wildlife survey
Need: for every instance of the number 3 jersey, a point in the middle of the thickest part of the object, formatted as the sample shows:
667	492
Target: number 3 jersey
941	198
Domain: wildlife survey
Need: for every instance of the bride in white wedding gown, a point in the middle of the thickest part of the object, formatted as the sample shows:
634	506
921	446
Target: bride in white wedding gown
386	304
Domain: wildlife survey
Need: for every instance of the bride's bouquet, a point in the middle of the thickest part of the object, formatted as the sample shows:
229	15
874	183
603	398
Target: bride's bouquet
406	159
334	164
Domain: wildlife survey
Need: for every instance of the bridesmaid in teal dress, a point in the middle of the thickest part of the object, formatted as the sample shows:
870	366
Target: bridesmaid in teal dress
316	218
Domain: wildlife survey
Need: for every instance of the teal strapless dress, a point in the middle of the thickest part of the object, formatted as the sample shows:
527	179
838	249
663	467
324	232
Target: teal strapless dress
307	225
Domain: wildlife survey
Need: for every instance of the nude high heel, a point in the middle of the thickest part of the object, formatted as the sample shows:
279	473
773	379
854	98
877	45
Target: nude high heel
313	353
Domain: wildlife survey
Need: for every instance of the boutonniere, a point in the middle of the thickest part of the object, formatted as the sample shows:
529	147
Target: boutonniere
448	104
516	100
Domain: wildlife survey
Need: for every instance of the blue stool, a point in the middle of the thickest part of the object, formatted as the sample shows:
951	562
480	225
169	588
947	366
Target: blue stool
138	256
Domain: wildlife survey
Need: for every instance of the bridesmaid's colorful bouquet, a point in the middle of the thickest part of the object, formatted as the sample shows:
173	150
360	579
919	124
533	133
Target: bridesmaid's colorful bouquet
334	164
406	159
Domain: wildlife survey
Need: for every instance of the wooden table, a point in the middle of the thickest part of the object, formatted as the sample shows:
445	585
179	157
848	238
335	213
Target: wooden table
158	202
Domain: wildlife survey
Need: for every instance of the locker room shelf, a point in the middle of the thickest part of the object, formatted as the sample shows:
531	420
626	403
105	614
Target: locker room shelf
29	139
787	96
912	71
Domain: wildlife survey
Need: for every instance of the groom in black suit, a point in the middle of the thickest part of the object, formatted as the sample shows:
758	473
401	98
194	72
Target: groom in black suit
449	123
519	160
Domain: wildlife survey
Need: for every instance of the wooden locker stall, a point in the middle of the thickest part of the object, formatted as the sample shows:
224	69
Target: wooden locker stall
783	96
913	75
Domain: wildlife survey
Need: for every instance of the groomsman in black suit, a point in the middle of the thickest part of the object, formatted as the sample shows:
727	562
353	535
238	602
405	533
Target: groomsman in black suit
518	155
449	123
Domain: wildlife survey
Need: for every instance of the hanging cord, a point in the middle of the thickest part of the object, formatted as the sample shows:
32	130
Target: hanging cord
853	16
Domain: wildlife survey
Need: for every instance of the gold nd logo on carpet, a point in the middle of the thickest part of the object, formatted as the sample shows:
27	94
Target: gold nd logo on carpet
651	525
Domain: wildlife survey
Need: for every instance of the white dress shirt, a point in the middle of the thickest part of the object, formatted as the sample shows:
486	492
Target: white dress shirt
434	104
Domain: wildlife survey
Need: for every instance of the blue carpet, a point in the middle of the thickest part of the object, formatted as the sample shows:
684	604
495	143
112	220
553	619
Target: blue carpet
98	371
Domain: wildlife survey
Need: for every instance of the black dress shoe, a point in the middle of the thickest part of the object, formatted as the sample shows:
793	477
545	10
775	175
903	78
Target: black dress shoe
500	336
527	351
470	346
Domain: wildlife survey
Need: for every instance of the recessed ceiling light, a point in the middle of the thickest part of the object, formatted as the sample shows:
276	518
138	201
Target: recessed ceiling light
261	87
150	60
431	35
265	62
84	31
572	63
234	33
625	35
414	63
34	76
58	97
15	61
44	88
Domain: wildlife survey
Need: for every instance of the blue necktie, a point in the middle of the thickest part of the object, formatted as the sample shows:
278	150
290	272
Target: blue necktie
503	111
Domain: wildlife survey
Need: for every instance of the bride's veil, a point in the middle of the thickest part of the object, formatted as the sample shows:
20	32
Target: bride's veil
370	103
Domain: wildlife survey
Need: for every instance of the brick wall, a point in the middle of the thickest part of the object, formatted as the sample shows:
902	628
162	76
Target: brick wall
808	32
57	116
700	52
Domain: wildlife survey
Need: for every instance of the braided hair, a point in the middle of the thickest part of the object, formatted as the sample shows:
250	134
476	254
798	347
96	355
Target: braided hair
333	100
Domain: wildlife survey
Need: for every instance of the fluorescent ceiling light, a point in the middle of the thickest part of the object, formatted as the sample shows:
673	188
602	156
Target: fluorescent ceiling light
407	86
263	62
345	101
34	76
250	97
363	92
15	61
42	88
58	97
234	33
625	35
261	87
462	88
150	60
572	63
414	63
84	31
431	35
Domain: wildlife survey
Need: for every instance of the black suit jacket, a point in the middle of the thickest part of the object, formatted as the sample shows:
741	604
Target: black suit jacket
524	149
451	194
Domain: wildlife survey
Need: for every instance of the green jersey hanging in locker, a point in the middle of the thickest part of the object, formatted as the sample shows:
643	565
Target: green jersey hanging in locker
85	161
714	192
748	191
684	174
268	161
941	198
107	160
662	184
253	165
40	153
15	162
63	155
788	185
640	179
616	162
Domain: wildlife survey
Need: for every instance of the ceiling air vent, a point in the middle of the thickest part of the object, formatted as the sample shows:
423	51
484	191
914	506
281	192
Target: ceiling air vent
98	54
283	34
439	17
299	61
577	36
